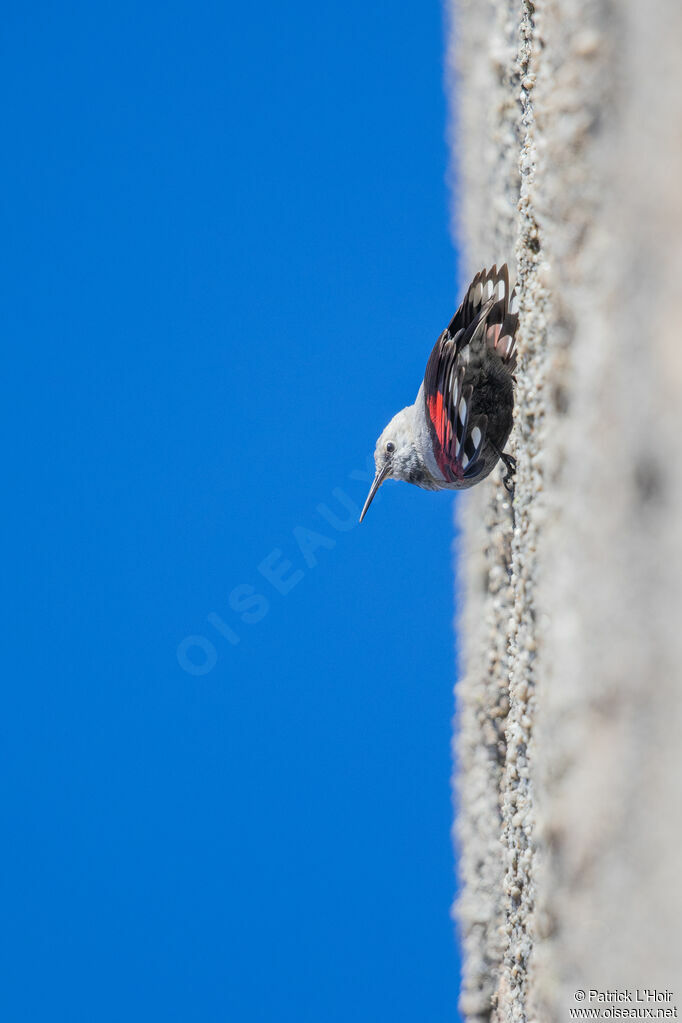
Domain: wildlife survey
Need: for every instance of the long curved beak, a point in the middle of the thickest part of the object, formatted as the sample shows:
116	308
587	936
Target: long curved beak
378	480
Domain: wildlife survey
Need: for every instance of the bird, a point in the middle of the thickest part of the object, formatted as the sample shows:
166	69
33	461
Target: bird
455	433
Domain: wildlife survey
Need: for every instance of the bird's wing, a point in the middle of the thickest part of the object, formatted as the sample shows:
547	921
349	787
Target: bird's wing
488	296
457	437
485	315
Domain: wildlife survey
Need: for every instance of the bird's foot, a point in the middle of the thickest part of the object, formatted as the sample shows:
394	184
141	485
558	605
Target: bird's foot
510	466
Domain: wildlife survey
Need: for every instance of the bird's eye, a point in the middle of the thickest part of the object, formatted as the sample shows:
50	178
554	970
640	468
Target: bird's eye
390	447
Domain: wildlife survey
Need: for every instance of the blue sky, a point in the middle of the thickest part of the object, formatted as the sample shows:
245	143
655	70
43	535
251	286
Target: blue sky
226	259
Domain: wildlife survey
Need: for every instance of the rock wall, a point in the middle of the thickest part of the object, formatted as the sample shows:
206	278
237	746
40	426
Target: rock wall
567	156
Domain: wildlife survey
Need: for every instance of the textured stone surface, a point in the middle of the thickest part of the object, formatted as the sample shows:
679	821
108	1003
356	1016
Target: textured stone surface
490	175
567	142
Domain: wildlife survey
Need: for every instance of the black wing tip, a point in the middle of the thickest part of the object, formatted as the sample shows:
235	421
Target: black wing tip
485	285
501	316
489	300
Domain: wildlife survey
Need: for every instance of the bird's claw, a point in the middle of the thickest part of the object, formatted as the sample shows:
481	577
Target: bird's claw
510	466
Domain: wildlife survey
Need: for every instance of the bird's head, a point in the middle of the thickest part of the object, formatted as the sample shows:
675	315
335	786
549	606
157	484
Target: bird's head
395	453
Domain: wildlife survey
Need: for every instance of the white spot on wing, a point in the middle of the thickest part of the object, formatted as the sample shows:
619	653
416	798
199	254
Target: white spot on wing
478	294
488	289
465	461
462	409
476	436
514	303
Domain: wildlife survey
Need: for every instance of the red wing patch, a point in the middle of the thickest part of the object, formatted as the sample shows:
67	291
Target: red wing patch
443	428
435	407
